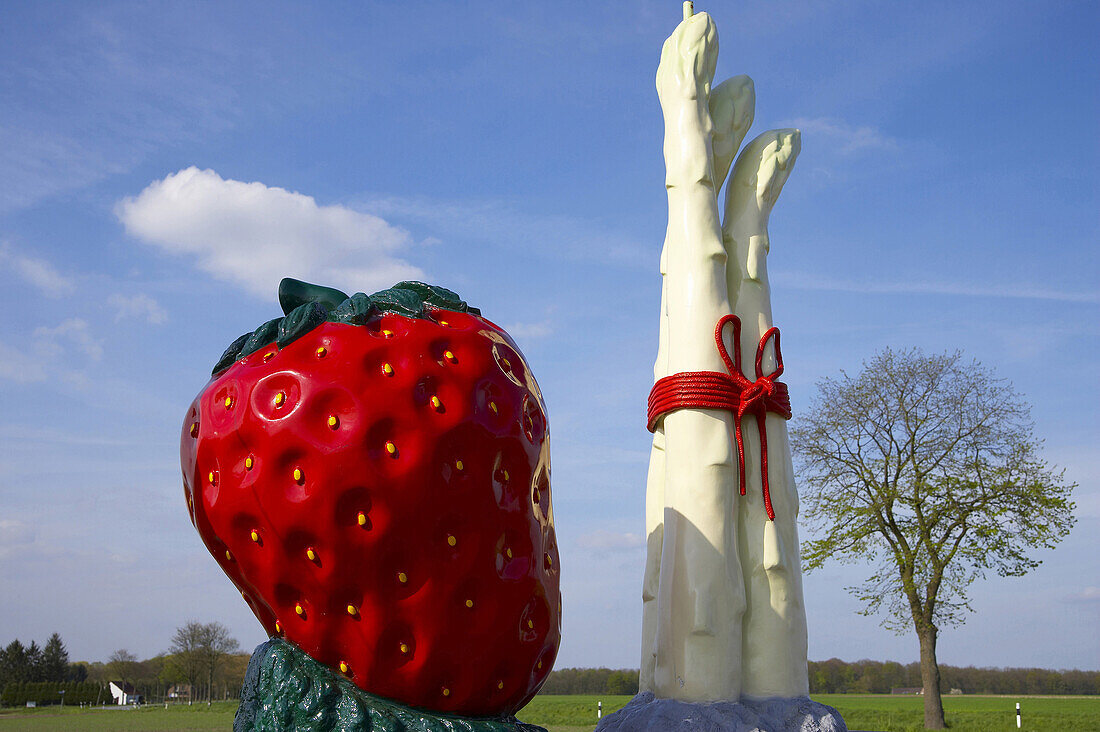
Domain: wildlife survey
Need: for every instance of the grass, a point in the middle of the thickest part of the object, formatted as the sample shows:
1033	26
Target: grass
179	718
882	713
569	713
888	713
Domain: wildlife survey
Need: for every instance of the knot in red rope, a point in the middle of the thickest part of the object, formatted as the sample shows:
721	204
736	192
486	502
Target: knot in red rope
731	392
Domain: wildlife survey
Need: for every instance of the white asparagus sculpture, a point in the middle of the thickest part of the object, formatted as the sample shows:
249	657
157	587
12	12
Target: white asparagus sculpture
722	594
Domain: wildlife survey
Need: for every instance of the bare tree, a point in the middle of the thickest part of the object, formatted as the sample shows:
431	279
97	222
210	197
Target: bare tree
186	648
199	650
926	466
217	644
122	664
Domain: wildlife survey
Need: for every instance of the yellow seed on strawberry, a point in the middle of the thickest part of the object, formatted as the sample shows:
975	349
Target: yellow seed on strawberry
248	462
391	448
333	421
451	540
387	369
352	610
402	577
299	609
255	535
297	475
279	399
311	555
322	352
362	519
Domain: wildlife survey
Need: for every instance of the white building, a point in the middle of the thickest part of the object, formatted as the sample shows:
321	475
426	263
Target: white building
124	694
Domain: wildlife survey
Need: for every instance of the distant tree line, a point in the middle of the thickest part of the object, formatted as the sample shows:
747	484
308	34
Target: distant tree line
880	677
862	677
591	681
202	663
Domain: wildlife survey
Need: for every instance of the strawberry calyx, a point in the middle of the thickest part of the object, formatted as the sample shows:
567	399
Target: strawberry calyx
286	689
306	306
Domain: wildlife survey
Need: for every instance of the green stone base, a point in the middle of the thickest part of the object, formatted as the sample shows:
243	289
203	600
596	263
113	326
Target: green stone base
287	691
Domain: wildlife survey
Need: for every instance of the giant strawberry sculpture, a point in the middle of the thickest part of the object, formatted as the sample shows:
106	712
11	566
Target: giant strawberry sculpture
373	473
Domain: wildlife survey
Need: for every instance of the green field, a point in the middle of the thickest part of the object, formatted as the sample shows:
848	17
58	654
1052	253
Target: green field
198	717
577	713
968	713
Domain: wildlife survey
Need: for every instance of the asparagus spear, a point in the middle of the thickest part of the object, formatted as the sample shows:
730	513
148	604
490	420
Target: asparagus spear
774	631
731	105
700	594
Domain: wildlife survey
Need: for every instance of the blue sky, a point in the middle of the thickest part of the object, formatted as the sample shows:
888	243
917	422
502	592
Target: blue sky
161	166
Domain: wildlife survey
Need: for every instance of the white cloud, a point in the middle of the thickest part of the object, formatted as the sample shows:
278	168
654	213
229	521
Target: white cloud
254	235
610	541
139	306
844	137
19	367
37	272
49	341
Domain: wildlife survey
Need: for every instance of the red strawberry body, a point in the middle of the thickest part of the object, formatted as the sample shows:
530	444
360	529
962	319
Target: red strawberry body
380	494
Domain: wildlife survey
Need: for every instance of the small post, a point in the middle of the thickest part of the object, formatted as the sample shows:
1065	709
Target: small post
599	709
1017	715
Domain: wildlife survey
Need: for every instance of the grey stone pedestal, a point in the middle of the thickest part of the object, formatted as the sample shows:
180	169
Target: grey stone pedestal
645	713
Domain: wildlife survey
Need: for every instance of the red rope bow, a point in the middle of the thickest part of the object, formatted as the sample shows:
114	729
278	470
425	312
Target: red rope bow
731	392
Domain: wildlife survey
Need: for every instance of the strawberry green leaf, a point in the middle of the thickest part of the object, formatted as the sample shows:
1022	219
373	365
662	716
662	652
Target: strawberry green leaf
435	295
230	354
300	321
399	300
263	335
295	293
356	310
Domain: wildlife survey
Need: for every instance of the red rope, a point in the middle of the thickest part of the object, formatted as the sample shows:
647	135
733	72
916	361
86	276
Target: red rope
731	392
